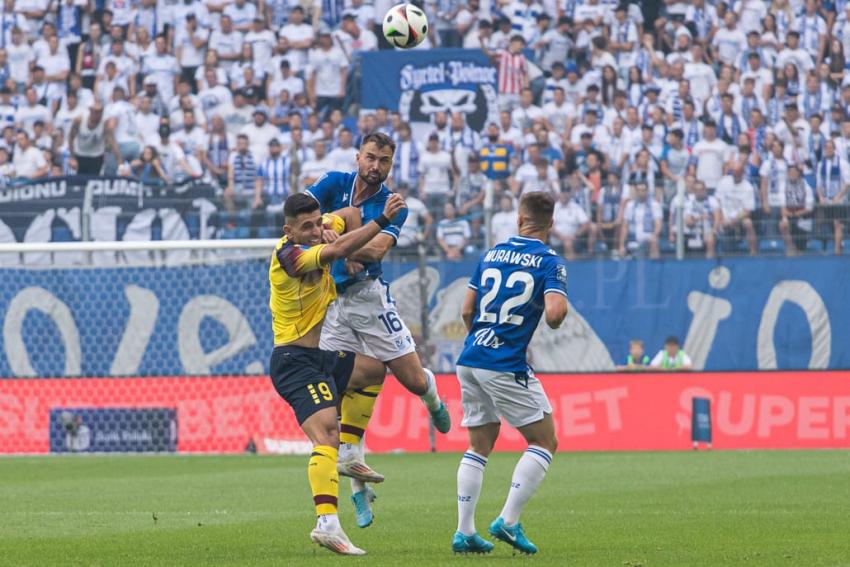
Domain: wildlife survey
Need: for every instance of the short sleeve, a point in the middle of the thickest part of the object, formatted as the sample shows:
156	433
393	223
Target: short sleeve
394	228
298	260
475	277
323	190
333	222
556	277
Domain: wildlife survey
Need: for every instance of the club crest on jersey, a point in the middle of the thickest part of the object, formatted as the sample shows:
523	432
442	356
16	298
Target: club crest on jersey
487	338
562	273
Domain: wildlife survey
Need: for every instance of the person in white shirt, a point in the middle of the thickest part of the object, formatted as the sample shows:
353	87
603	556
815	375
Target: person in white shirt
328	73
642	219
559	113
524	115
797	211
833	183
503	225
774	174
242	14
215	97
286	82
163	68
418	223
313	169
711	154
435	171
226	42
32	111
299	35
262	42
351	37
570	223
344	156
729	41
147	123
28	161
537	175
20	55
671	357
120	120
702	219
260	132
794	54
452	233
737	200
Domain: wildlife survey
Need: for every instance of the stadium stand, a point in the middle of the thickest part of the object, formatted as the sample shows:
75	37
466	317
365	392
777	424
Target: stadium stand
727	122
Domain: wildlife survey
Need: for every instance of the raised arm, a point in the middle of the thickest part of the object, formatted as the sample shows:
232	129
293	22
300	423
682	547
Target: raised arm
347	244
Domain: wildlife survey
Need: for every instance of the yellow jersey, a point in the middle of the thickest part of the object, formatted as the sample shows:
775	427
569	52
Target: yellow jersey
301	287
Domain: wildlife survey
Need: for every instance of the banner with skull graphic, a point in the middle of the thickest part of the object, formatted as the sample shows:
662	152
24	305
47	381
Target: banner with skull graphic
420	84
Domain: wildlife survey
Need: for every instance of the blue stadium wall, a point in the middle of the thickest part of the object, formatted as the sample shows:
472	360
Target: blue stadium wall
736	314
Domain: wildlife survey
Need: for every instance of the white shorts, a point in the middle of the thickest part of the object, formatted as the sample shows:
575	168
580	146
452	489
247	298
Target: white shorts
488	395
364	319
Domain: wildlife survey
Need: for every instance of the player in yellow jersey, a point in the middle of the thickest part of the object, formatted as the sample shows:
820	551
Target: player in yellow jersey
309	379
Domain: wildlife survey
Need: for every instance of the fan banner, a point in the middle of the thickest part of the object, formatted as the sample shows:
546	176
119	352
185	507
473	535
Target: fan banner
421	83
593	412
54	209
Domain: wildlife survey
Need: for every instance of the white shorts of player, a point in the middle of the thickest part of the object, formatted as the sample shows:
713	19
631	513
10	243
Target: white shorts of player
364	319
488	395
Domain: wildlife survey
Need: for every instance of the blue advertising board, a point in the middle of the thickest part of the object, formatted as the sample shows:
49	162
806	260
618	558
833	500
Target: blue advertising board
113	430
742	314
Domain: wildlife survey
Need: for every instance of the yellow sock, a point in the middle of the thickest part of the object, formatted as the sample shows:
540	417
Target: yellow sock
356	411
324	480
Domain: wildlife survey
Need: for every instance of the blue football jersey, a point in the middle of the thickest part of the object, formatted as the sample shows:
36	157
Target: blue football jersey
335	190
510	282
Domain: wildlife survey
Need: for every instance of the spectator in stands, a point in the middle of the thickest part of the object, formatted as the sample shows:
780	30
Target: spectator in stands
272	185
435	175
571	224
832	184
710	155
406	157
470	191
671	357
737	201
513	71
343	156
241	176
28	161
637	359
641	219
674	163
418	223
148	167
702	219
88	140
798	205
313	169
329	70
773	175
452	233
504	223
260	132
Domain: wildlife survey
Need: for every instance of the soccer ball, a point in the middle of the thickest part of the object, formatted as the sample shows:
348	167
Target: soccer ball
405	26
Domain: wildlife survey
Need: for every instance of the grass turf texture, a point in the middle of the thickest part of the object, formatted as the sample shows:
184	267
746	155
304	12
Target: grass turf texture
621	509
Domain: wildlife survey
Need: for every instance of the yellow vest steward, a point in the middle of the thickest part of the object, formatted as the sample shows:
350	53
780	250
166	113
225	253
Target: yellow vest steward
301	287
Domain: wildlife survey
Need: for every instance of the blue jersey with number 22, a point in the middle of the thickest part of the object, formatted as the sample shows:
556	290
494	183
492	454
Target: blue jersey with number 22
510	282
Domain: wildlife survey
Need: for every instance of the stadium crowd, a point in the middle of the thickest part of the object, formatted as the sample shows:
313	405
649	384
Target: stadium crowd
741	107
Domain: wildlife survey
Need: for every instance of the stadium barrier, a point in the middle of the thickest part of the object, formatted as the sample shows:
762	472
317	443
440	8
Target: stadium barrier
593	412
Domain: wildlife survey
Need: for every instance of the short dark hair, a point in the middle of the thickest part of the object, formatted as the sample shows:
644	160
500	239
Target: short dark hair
379	139
672	340
299	204
539	206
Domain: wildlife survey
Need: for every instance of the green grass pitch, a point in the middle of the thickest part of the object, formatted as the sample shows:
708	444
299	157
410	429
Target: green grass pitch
620	509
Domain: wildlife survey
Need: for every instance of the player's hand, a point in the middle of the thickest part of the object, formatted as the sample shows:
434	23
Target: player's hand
329	236
393	206
352	267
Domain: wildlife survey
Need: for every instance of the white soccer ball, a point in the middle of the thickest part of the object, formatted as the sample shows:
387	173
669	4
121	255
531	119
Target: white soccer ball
405	26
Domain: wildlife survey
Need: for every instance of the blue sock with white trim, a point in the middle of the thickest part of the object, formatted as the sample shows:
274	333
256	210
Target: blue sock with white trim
470	475
528	475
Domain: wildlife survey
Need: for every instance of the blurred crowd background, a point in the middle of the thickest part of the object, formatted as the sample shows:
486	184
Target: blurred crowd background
725	125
